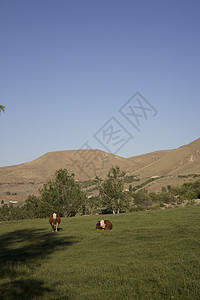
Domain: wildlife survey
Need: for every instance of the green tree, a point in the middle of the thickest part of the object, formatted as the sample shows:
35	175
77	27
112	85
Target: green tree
112	190
16	213
44	209
166	197
30	207
5	213
142	197
93	205
63	194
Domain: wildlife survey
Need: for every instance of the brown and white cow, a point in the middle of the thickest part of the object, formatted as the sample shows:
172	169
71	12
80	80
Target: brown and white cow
54	221
104	225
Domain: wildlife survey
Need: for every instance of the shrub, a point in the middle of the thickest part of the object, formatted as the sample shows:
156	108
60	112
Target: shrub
156	206
137	208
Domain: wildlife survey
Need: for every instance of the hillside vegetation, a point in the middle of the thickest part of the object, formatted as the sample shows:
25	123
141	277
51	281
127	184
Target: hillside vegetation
66	197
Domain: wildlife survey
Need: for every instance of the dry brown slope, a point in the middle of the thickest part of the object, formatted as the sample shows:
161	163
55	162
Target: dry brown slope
144	160
183	160
86	164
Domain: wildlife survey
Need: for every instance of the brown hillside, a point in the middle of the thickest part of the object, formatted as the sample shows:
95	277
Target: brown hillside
185	159
175	166
144	160
86	164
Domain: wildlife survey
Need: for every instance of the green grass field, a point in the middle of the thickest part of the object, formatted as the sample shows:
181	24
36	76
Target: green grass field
147	255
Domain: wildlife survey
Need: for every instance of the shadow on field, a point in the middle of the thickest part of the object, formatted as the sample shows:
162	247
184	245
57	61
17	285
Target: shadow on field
20	252
20	289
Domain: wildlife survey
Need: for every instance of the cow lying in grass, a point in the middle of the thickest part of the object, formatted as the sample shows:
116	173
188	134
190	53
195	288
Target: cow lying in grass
104	225
54	221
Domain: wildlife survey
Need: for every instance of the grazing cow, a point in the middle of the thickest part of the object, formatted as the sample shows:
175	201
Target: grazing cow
54	221
104	225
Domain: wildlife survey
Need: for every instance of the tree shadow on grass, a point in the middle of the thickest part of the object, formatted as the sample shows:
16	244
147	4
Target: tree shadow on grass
20	252
23	289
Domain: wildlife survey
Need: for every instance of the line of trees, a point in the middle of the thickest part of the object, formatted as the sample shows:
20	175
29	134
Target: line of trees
65	196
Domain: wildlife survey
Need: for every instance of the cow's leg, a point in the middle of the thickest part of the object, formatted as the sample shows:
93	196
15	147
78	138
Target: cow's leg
52	227
56	227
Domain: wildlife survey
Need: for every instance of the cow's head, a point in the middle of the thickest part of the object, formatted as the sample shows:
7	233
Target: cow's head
102	224
54	216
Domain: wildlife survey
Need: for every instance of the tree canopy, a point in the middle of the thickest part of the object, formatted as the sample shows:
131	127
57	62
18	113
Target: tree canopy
112	190
63	194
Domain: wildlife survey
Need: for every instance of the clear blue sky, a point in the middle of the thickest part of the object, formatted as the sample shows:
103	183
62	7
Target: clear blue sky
67	67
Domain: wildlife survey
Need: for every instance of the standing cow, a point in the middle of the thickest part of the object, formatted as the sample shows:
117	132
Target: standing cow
104	225
54	221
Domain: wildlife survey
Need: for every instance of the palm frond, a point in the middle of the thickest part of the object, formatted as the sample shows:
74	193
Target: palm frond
2	108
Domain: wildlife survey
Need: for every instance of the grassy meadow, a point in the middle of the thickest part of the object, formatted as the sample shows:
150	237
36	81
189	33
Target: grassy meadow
147	255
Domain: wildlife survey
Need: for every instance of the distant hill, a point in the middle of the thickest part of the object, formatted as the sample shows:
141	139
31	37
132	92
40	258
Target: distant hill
145	160
184	160
86	164
173	166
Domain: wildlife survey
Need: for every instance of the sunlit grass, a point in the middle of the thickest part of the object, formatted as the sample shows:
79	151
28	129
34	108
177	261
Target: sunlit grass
147	255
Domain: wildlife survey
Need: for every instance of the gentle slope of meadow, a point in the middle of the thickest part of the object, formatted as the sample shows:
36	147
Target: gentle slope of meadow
147	255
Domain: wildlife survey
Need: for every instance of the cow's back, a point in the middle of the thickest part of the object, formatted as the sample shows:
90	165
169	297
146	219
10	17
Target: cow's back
108	225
